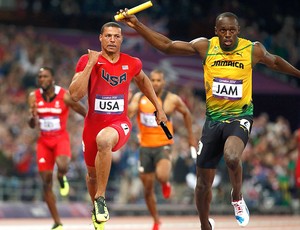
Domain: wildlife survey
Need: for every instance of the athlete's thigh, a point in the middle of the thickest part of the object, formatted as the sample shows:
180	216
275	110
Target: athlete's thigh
123	128
146	159
90	132
45	157
163	164
211	145
240	128
63	146
163	152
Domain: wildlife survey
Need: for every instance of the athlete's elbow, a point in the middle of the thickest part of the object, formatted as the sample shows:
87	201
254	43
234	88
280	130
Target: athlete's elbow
75	96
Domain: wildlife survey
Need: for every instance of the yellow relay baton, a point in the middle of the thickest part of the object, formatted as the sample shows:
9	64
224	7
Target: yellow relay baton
135	10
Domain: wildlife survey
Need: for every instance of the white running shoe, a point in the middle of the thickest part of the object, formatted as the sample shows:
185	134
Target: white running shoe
212	223
241	212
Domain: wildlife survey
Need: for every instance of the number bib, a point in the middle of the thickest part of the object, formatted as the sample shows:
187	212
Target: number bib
49	124
227	89
109	104
148	119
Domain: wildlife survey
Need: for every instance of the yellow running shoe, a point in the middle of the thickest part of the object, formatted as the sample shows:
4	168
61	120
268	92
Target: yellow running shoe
101	211
57	227
97	225
64	186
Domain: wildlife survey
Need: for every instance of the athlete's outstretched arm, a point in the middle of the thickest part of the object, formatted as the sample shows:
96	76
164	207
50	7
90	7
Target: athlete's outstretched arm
144	84
274	62
159	41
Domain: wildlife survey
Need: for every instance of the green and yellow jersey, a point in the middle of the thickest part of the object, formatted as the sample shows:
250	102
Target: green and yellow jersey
228	80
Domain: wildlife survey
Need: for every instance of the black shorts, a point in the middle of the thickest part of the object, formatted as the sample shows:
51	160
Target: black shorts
215	134
150	156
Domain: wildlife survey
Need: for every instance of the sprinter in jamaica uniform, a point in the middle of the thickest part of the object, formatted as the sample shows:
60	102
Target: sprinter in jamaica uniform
228	63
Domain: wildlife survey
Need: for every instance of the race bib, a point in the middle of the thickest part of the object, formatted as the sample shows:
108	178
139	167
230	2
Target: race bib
109	104
245	124
148	119
49	124
227	89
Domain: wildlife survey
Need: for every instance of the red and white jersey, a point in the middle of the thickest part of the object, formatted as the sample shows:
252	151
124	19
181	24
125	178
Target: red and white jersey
52	115
108	87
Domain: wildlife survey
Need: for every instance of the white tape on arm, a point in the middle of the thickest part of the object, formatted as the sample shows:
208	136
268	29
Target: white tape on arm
193	152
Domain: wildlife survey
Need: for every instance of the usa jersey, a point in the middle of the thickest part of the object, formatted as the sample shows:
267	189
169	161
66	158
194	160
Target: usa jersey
108	86
52	115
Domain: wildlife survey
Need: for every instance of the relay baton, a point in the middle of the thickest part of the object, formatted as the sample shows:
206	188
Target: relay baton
165	128
134	10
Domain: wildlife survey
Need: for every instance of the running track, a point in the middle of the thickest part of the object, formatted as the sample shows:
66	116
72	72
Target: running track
263	222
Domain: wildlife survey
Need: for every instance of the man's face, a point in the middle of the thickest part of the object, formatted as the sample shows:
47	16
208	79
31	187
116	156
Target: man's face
111	39
45	79
158	82
227	29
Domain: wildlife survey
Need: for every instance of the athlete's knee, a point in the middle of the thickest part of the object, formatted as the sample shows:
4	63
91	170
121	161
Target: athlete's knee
63	169
105	144
62	164
163	170
148	191
148	184
204	181
163	177
91	178
202	186
232	159
47	183
232	155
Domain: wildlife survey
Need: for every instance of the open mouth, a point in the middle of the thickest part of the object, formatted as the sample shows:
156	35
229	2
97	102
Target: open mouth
227	42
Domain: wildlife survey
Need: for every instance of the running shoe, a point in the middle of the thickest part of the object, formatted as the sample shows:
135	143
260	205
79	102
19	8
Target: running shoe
166	189
212	223
156	226
241	212
64	186
101	211
97	225
57	227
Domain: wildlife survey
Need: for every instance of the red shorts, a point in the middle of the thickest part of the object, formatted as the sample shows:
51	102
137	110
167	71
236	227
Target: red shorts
50	147
91	130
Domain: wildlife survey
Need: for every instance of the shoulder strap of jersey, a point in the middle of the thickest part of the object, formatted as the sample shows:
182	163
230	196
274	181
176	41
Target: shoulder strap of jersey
164	95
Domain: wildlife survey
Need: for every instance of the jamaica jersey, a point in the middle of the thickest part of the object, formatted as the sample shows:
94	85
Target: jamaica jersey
228	80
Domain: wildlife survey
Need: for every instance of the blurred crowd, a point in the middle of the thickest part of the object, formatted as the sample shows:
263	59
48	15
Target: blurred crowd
269	158
273	23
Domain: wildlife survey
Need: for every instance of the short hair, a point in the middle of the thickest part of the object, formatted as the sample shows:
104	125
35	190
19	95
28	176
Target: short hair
159	71
109	24
51	70
227	14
